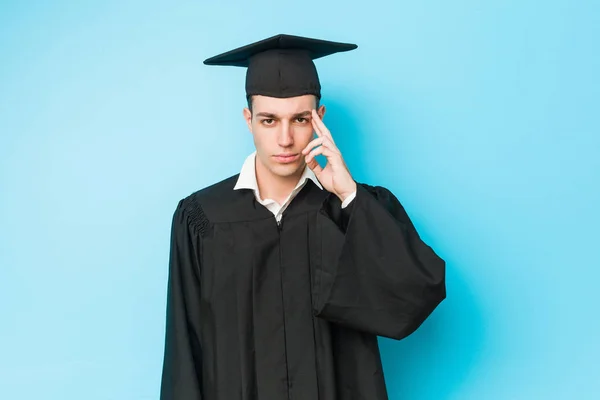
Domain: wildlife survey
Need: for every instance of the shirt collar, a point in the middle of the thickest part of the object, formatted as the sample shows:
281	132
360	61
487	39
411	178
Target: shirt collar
247	178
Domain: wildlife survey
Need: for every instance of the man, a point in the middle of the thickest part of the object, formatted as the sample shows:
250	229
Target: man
282	277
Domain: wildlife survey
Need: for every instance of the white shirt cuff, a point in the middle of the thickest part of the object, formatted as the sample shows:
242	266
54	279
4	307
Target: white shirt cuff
348	200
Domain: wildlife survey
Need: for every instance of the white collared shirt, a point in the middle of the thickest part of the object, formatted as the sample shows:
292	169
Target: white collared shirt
247	180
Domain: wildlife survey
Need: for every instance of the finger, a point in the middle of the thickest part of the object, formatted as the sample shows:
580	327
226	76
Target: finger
313	144
315	167
313	121
328	142
323	141
320	125
320	150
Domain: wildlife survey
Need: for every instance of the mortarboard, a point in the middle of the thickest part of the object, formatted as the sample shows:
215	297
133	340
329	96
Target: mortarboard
282	65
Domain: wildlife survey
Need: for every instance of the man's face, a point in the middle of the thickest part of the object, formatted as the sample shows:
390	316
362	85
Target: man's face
281	129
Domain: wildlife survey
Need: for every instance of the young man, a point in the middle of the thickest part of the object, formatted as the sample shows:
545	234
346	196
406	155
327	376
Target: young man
282	277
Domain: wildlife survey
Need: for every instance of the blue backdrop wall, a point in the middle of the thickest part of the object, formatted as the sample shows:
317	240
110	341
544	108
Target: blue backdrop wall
482	117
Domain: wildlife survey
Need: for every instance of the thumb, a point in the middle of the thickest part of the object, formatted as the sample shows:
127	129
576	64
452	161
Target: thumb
315	167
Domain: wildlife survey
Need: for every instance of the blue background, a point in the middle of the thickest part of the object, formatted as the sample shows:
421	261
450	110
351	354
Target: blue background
482	117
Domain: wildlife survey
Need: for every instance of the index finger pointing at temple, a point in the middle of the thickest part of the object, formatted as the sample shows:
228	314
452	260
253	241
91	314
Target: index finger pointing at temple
320	126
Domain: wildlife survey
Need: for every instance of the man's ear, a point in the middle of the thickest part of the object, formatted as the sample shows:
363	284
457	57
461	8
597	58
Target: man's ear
321	111
248	117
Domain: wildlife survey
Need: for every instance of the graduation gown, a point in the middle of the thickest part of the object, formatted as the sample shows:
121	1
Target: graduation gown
261	310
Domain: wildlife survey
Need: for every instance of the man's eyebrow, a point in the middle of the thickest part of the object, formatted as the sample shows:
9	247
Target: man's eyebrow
274	116
266	114
302	114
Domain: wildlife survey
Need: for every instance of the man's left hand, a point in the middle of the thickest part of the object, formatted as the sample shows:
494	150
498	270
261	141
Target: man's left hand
335	177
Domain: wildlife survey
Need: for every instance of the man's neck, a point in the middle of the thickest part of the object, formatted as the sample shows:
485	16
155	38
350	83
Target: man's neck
275	187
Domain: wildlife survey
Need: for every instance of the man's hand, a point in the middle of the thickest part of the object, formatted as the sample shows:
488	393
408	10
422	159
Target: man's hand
335	177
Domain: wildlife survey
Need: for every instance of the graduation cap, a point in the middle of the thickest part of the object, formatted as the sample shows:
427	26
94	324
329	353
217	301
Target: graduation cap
282	65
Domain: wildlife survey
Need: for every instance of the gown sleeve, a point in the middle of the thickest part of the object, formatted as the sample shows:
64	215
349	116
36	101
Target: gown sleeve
181	372
374	273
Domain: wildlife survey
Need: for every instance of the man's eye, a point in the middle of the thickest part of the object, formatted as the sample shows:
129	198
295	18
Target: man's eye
301	120
267	121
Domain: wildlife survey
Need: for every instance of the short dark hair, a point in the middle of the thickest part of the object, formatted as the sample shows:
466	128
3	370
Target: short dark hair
249	98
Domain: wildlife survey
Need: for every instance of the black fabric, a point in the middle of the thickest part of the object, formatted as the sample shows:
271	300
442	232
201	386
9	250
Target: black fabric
257	310
281	66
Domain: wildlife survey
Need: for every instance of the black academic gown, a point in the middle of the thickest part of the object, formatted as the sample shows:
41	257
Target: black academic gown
257	310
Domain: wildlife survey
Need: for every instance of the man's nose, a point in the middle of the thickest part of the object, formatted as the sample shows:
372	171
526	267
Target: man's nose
286	135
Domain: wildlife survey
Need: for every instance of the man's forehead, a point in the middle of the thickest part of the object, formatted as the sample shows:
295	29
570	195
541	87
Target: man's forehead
283	106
